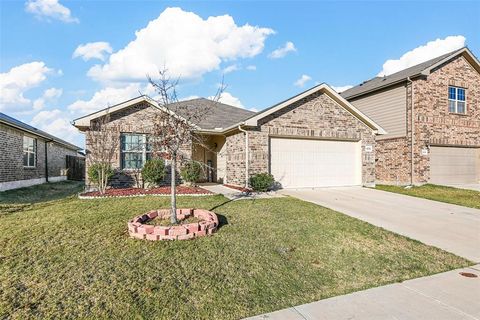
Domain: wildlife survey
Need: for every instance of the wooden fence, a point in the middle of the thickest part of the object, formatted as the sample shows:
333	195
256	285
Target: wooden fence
75	168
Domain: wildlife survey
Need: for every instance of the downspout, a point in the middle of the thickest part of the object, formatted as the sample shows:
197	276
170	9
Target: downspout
46	161
246	155
412	134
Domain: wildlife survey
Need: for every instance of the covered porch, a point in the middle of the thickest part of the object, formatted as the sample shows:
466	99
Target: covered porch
210	151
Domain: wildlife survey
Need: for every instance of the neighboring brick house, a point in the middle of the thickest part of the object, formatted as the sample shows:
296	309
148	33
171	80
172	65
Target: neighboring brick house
29	156
431	112
314	139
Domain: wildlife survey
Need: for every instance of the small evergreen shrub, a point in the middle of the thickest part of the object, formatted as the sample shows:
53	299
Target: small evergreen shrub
153	171
191	172
261	182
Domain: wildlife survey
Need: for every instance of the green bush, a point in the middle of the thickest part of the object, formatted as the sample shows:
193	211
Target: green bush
153	171
94	172
261	182
191	172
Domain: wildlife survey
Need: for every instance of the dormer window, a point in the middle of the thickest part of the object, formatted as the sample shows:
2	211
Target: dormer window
457	102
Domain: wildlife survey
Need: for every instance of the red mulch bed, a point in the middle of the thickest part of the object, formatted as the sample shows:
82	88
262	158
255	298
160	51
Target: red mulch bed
243	189
128	192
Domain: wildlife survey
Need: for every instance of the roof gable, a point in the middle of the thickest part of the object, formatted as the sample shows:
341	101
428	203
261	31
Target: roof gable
220	116
422	69
323	88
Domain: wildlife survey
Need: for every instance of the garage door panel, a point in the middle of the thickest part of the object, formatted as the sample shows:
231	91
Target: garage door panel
449	165
315	163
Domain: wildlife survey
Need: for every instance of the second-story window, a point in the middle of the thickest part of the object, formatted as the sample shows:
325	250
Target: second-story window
457	102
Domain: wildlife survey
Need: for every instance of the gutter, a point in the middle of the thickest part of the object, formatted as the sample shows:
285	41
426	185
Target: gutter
246	154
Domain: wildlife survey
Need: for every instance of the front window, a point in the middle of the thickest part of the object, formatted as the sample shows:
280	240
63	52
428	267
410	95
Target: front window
29	152
457	102
135	150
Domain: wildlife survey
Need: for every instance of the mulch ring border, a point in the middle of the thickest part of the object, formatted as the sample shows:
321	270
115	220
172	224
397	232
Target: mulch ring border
156	192
208	225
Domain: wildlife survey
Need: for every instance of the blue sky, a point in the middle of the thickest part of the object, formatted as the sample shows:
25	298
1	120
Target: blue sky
267	51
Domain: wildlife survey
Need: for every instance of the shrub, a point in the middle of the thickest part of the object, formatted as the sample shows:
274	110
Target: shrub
191	172
100	174
95	172
153	171
261	182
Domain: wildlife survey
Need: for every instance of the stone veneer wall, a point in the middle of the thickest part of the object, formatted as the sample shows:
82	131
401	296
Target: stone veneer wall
136	119
316	116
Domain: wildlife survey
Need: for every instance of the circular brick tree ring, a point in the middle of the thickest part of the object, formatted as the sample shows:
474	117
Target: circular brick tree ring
137	227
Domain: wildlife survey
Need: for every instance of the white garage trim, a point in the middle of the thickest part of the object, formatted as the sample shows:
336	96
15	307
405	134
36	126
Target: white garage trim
314	163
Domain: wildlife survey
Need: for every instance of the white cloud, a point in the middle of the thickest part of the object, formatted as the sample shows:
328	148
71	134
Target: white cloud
251	67
49	95
229	99
57	123
231	68
283	51
184	42
109	96
50	9
302	80
15	82
341	88
93	50
423	53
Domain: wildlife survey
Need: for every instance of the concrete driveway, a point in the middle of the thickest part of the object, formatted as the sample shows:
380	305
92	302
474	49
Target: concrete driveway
453	228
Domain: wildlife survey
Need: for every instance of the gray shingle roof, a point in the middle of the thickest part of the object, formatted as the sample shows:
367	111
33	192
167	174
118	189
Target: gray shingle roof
22	125
218	115
380	82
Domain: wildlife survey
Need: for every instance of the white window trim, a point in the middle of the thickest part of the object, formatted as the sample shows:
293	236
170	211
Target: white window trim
456	100
34	152
144	150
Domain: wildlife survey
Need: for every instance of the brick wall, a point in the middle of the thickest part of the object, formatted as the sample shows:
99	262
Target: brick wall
235	159
316	116
135	119
434	125
11	157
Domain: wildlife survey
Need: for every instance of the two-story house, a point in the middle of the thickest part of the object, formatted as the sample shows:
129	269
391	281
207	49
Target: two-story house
431	113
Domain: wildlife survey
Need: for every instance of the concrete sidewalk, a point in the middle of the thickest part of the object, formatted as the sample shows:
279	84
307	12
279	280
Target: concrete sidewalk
234	194
447	295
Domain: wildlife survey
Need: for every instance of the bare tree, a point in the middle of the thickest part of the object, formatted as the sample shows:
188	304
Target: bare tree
173	132
103	137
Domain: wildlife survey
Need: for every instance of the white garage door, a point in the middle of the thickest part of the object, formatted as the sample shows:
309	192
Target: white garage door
450	165
297	163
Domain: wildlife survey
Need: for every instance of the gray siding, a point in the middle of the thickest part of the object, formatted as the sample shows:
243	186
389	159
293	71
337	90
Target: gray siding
387	108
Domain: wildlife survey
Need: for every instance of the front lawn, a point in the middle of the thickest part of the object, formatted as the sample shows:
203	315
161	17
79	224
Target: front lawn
462	197
72	258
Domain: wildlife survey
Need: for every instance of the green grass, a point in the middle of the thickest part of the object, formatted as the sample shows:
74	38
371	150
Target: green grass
72	258
462	197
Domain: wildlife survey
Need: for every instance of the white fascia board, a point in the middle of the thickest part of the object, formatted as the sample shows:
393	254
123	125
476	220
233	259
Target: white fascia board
85	121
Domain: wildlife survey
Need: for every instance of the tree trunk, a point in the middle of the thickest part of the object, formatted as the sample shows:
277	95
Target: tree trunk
173	185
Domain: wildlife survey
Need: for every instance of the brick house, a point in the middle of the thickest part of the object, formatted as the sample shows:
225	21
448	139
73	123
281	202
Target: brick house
29	156
431	112
313	139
